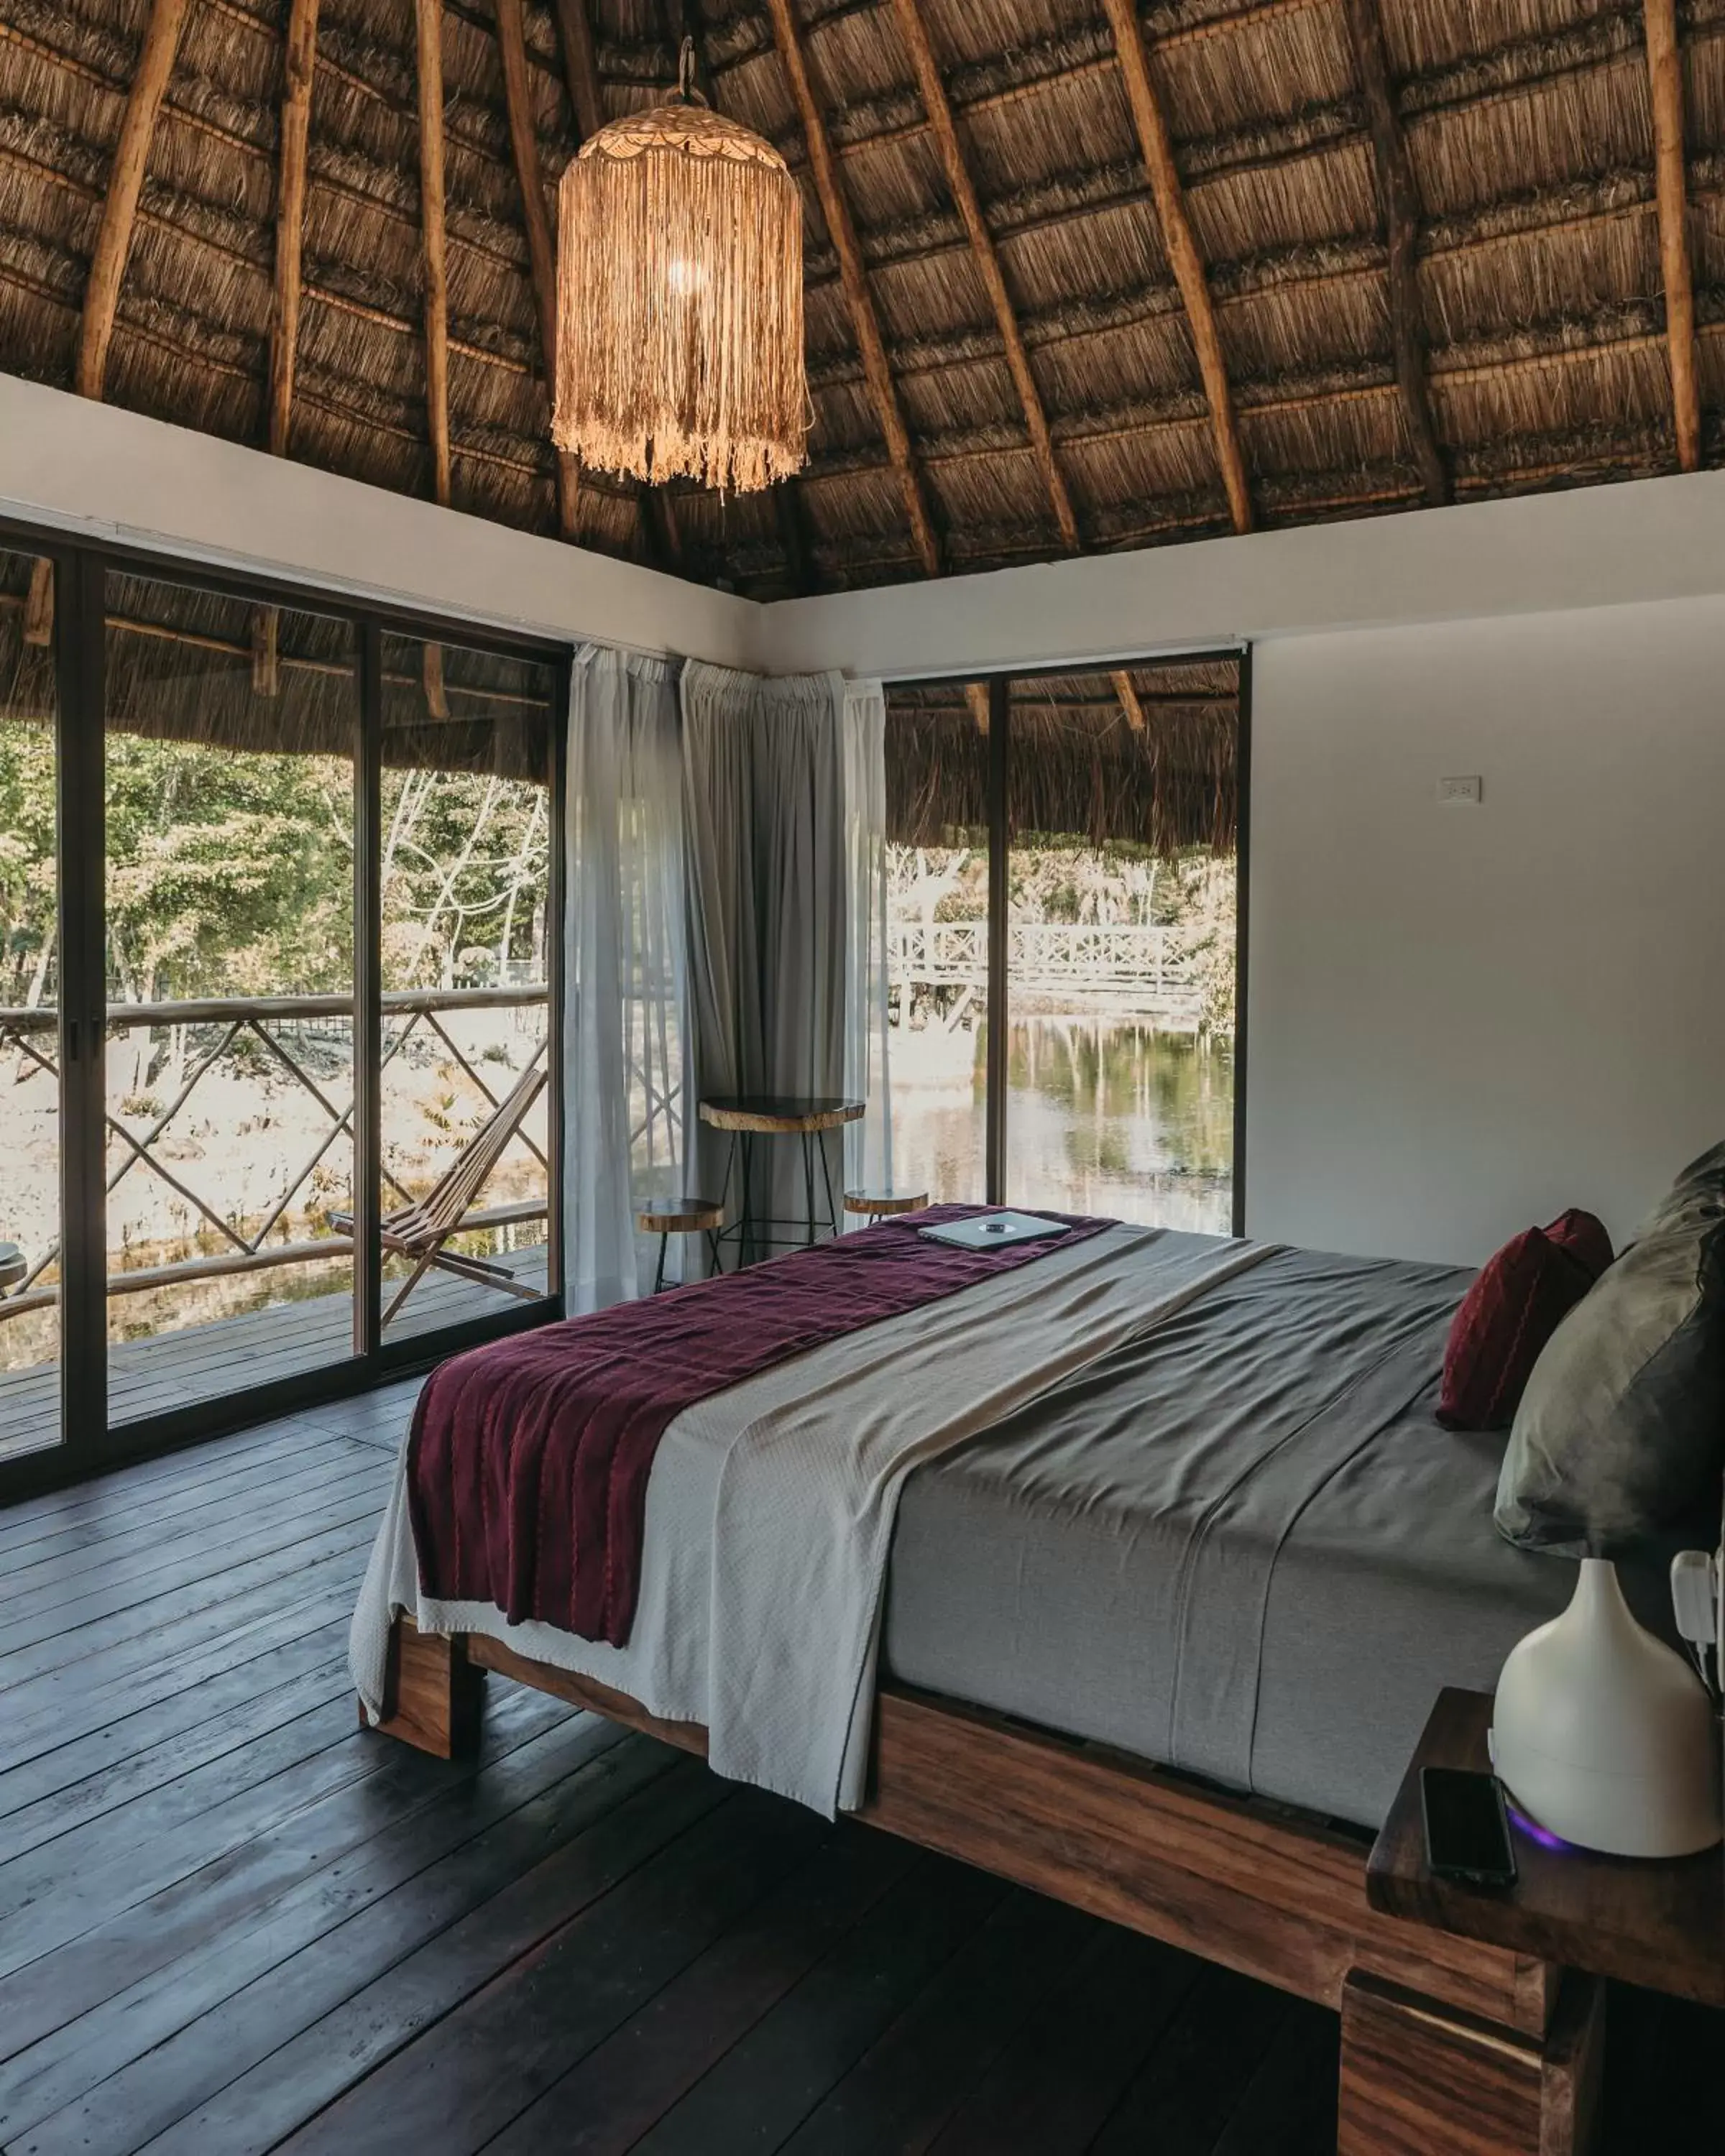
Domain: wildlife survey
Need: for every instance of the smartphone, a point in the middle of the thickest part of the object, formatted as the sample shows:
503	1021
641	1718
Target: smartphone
1466	1827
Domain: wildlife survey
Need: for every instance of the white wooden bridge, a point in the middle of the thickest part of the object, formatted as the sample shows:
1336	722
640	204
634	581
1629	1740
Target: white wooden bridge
1141	971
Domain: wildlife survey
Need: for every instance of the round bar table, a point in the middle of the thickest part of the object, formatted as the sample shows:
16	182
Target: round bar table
749	1116
882	1204
681	1216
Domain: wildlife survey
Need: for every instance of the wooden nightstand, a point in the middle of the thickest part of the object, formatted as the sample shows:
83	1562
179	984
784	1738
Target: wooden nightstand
1662	1925
1575	1916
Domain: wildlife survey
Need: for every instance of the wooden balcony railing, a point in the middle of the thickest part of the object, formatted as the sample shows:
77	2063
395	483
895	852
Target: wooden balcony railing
33	1033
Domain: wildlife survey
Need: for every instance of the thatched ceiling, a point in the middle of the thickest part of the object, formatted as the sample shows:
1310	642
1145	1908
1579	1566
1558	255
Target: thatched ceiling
1146	754
1398	251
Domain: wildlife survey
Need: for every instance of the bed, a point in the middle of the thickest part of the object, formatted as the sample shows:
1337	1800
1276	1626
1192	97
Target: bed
1132	1574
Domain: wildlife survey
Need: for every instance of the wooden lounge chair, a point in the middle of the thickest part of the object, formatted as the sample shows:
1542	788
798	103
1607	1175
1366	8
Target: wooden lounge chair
420	1231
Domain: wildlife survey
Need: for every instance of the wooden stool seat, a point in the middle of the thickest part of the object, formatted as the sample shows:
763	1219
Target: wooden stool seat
679	1216
880	1205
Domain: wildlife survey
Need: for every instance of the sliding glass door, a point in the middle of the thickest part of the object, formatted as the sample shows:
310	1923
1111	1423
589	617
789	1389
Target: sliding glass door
228	759
1065	939
1121	953
278	979
30	1234
464	887
938	943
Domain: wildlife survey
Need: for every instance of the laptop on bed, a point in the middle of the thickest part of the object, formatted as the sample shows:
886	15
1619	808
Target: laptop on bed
991	1231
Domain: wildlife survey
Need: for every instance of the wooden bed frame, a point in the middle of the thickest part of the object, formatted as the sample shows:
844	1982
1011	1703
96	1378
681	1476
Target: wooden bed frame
1450	2046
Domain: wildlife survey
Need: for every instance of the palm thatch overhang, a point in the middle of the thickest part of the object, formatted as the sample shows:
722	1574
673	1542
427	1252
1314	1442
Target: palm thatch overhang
1082	274
209	669
1147	756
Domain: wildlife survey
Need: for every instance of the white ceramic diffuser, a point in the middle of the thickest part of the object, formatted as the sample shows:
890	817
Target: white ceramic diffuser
1603	1736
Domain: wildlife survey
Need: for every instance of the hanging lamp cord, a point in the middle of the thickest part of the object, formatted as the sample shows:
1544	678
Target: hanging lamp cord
687	94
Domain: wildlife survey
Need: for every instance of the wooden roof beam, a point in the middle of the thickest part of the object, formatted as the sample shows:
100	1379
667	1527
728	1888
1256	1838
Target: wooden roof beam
1665	79
300	64
1128	697
962	190
877	373
429	25
428	73
125	181
542	254
581	66
1157	146
1399	207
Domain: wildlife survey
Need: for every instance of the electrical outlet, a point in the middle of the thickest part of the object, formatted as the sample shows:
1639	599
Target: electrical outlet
1468	791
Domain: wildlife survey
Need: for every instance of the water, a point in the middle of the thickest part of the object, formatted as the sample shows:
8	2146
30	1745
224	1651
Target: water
1103	1115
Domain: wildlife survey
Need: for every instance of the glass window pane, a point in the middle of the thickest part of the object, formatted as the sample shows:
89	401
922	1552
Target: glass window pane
29	998
229	749
938	939
466	874
1121	954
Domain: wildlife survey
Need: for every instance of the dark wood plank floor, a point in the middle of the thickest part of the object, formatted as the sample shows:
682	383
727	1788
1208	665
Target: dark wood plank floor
231	1923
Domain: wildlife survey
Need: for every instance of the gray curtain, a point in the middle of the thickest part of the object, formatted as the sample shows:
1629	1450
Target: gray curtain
624	1038
764	818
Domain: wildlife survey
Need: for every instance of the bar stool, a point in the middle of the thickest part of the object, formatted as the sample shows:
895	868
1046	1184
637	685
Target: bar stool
881	1205
681	1216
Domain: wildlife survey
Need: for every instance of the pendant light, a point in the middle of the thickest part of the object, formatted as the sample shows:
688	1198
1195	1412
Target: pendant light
679	300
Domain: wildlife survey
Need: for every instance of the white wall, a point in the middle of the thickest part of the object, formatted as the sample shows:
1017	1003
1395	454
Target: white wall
1647	539
1464	1019
99	472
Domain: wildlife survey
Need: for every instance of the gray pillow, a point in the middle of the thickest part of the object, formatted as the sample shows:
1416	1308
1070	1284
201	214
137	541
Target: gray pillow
1622	1429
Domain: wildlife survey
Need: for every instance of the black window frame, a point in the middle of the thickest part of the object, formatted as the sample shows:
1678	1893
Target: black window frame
998	687
86	1443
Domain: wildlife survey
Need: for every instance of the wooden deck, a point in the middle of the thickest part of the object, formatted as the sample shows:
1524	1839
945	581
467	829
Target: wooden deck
230	1923
146	1377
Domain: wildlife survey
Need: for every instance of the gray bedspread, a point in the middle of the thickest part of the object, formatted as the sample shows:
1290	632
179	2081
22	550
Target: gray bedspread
1242	1545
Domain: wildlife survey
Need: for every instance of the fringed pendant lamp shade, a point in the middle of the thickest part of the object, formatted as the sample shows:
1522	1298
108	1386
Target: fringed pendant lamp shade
680	302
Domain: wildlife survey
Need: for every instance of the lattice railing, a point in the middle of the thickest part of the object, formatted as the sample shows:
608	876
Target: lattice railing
280	1025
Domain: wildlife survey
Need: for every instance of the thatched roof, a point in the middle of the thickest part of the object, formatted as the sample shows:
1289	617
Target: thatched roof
203	667
1425	253
1147	755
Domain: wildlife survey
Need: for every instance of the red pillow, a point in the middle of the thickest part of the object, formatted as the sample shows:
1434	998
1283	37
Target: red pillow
1512	1309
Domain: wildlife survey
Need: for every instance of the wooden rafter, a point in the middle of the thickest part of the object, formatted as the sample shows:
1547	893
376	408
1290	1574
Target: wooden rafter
962	189
580	67
1400	208
1157	146
877	372
428	24
542	254
300	63
1665	79
125	181
1128	697
428	27
38	603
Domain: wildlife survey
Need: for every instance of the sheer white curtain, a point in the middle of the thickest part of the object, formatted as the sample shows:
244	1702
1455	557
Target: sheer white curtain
624	1036
868	1145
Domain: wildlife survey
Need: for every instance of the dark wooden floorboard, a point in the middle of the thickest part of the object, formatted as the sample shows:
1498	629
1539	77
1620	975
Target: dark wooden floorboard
231	1923
626	2084
1051	2093
763	2088
908	2086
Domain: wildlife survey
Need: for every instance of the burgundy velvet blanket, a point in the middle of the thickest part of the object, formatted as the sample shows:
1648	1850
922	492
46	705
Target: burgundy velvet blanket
528	1463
